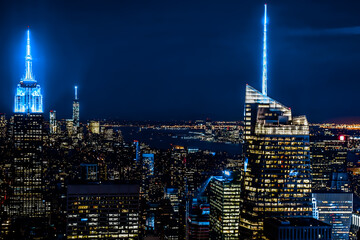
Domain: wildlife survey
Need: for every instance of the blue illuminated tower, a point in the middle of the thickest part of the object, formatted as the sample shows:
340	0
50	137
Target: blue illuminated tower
28	98
27	168
76	110
264	70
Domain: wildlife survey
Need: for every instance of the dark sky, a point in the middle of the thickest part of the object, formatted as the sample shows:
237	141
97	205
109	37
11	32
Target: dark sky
172	60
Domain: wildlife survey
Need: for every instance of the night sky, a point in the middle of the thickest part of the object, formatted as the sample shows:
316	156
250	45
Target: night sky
179	60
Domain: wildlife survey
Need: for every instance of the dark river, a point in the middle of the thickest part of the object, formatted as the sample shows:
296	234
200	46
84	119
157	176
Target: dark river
163	139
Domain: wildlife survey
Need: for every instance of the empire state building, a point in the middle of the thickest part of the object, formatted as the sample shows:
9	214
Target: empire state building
27	185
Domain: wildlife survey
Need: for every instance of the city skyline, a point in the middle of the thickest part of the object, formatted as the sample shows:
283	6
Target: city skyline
126	92
268	173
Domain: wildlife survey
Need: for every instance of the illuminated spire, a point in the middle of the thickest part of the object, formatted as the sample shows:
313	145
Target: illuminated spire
264	73
76	98
28	59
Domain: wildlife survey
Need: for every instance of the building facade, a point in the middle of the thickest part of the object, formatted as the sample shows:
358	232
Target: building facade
277	172
26	198
53	122
224	208
108	211
335	209
328	157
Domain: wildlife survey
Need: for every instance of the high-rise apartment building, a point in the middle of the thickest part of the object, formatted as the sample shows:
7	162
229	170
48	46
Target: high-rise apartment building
224	207
277	172
103	211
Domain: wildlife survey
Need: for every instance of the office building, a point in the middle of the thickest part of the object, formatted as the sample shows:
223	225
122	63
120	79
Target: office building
89	172
69	127
224	207
148	163
53	123
296	229
336	210
3	126
277	172
137	150
103	211
27	187
199	220
328	155
94	127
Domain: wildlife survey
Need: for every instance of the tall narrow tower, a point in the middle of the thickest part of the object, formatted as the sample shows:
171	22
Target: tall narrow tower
76	109
53	123
27	185
264	70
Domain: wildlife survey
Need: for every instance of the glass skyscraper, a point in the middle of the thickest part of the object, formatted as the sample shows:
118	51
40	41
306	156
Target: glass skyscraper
224	207
277	173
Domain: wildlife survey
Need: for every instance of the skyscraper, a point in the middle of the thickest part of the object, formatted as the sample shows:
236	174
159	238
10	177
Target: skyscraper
336	209
76	110
3	124
53	123
28	98
277	173
26	188
224	207
328	157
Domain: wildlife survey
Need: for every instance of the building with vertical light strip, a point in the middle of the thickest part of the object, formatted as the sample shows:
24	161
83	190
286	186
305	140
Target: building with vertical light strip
277	173
103	211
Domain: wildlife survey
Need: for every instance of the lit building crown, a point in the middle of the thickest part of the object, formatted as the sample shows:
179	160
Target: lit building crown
28	97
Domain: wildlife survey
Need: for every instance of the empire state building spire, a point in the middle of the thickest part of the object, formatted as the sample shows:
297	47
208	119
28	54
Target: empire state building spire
28	97
28	59
264	70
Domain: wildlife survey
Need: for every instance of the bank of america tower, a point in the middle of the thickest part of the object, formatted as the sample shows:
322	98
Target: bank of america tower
277	172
